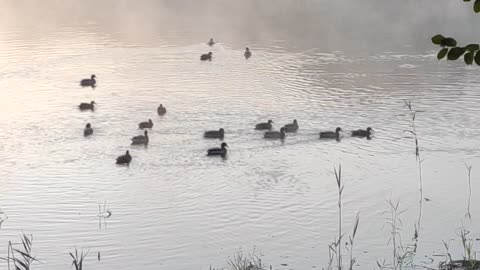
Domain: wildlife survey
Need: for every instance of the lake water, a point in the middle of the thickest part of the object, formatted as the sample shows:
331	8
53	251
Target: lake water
174	207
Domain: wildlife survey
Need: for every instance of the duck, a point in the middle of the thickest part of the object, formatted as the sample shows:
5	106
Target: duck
262	126
362	133
87	106
218	151
161	110
88	130
148	124
247	53
89	82
211	42
275	134
207	56
124	159
140	139
292	127
216	134
331	134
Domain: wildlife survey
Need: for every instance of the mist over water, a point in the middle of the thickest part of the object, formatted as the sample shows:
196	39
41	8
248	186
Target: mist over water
325	63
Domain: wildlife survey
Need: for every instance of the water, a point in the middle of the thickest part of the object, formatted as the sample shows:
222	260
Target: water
175	208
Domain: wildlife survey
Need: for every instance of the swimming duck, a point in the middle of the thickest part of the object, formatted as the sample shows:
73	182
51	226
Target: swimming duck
275	134
216	134
331	134
267	125
362	133
148	124
218	151
161	110
89	82
205	57
124	159
292	127
140	139
247	53
88	130
211	43
87	106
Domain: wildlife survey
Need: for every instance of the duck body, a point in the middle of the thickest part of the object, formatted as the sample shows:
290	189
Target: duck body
331	134
124	159
218	151
247	53
362	133
140	139
89	82
207	56
214	134
292	127
87	106
88	130
275	134
161	110
148	124
262	126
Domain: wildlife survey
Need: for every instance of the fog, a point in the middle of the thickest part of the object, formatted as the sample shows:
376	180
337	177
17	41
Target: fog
350	25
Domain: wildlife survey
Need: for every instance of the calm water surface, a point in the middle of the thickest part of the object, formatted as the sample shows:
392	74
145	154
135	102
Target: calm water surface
175	208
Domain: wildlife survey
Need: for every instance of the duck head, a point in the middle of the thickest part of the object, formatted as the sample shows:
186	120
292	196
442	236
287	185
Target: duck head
369	130
127	153
221	131
93	76
146	133
338	130
282	130
88	125
210	53
270	121
150	121
92	102
247	49
224	145
161	106
295	121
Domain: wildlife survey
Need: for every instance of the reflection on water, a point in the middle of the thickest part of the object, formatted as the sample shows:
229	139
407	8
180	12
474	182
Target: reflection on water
176	208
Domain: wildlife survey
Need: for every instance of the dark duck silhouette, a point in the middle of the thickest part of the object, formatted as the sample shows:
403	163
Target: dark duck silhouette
362	133
211	42
161	110
207	56
218	151
275	134
331	134
262	126
87	106
140	139
124	159
89	82
247	53
292	127
148	124
214	134
88	130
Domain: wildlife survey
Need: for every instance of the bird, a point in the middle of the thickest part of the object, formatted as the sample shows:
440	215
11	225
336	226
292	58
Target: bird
87	106
207	56
267	125
215	134
88	130
89	82
275	134
247	53
292	127
211	42
331	134
218	151
140	139
362	133
124	159
148	124
161	110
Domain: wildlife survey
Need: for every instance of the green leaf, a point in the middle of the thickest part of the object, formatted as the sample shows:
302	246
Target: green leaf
449	42
437	39
455	53
477	58
476	6
468	57
472	47
441	54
